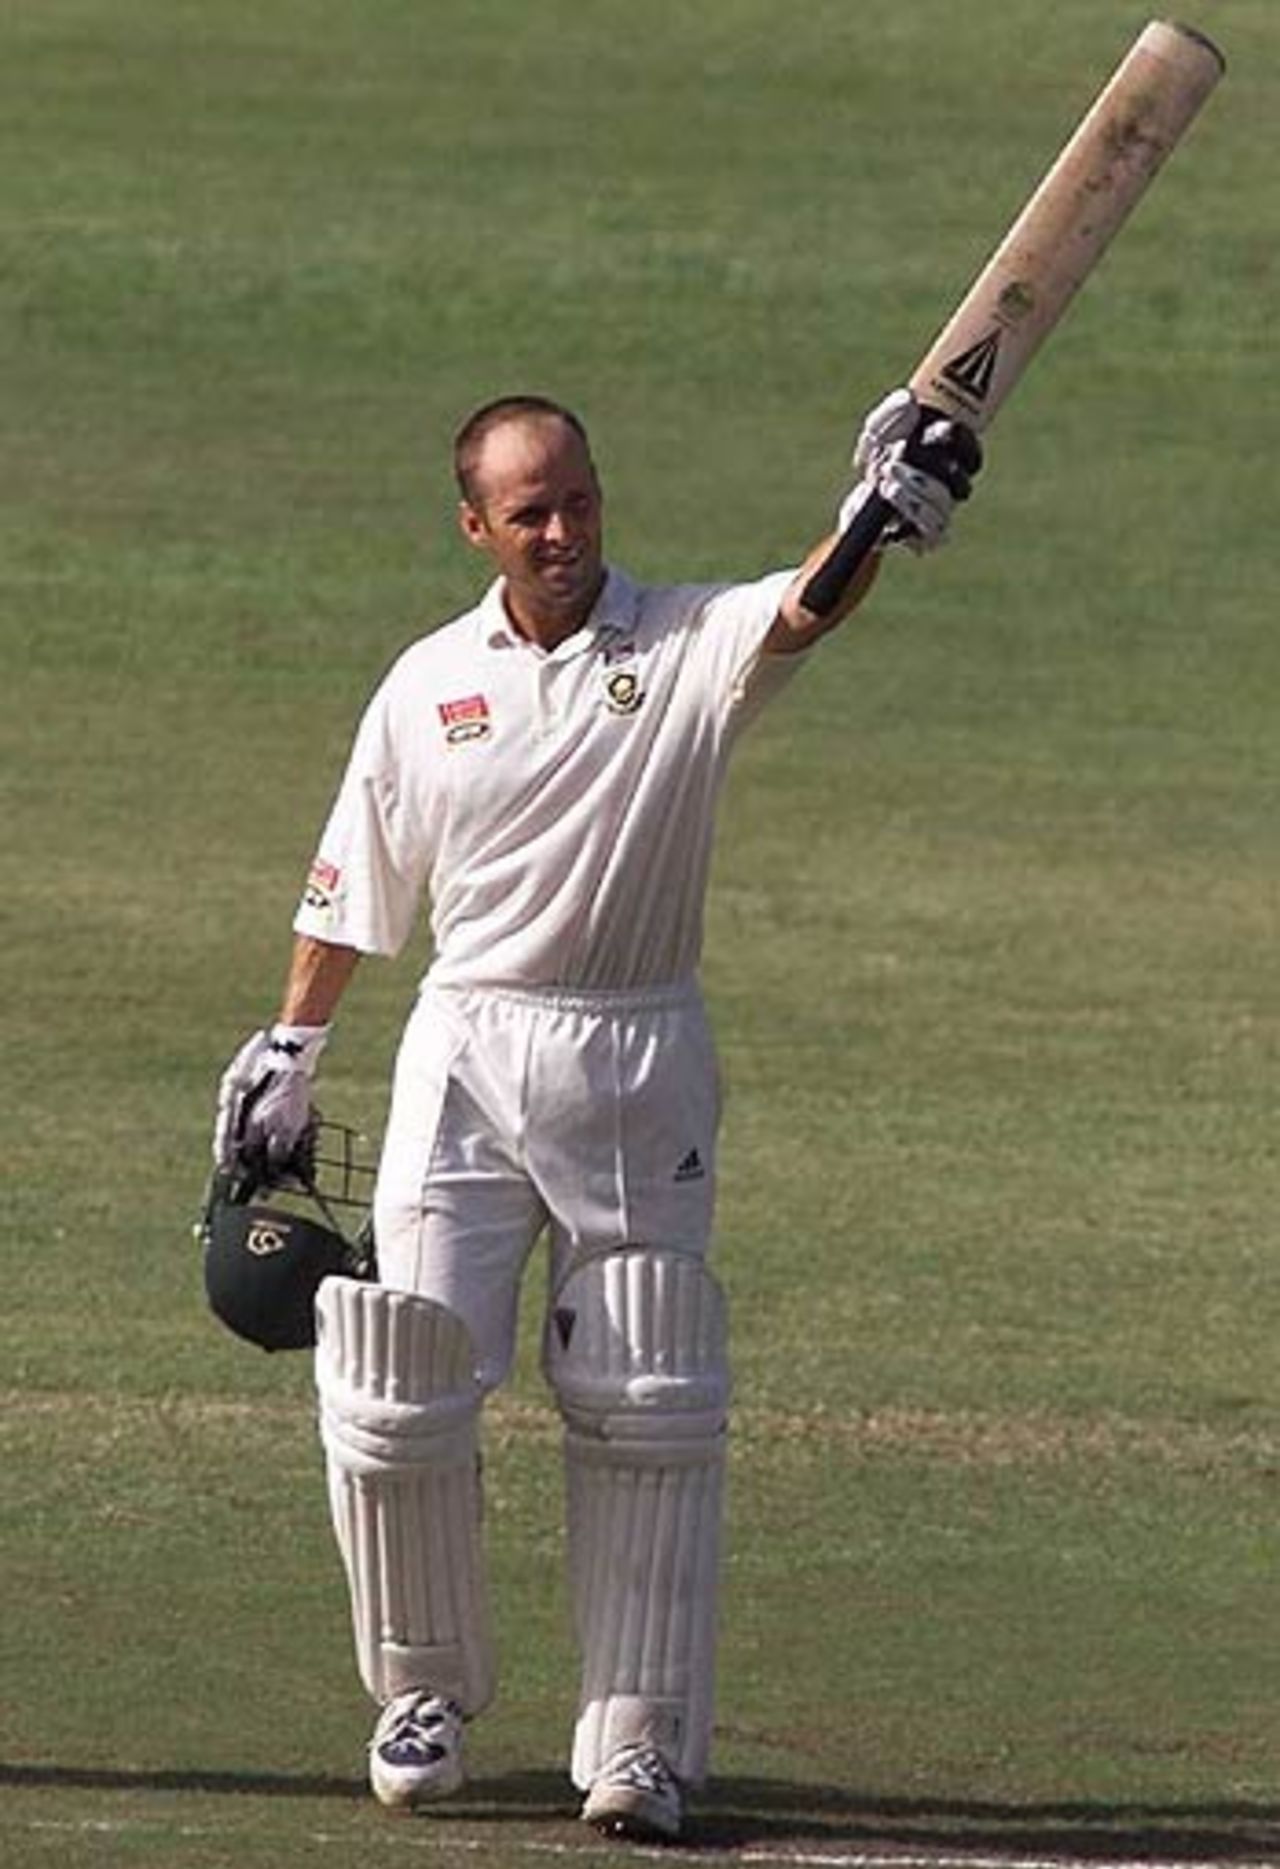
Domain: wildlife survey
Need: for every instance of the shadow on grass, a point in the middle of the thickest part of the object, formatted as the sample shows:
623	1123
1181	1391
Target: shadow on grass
749	1812
745	1813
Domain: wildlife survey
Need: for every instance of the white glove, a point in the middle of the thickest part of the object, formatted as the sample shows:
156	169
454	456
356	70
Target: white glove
890	456
264	1098
893	420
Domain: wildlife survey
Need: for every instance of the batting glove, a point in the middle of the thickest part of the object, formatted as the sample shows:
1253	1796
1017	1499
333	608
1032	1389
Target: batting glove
893	420
921	462
264	1100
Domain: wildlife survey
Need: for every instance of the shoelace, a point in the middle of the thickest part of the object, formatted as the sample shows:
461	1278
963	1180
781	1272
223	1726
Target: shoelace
646	1769
417	1725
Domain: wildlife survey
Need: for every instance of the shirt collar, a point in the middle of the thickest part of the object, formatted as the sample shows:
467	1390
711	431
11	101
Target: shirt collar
613	615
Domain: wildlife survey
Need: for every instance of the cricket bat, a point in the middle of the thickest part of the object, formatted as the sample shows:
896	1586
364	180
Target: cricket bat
1104	168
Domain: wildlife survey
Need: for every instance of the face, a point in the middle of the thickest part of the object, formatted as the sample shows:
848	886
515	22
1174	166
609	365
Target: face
537	515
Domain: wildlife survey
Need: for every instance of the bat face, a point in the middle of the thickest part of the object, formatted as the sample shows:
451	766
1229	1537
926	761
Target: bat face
1061	233
1057	239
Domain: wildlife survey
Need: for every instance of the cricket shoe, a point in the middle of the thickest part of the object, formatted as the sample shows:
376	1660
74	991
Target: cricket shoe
636	1795
415	1755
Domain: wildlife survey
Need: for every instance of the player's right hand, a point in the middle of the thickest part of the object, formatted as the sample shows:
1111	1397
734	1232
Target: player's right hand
264	1100
921	462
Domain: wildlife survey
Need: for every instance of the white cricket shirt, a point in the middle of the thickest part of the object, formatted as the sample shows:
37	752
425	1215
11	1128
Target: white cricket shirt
555	806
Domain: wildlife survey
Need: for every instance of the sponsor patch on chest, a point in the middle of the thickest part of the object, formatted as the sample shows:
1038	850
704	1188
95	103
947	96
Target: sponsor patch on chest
465	719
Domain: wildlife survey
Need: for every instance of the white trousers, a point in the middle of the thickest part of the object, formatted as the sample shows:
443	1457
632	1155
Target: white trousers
593	1115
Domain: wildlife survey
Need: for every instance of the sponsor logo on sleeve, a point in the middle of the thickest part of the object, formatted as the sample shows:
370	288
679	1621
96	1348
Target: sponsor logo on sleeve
465	719
322	884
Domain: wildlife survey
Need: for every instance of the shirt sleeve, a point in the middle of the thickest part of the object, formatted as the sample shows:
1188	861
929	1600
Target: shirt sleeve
735	622
368	875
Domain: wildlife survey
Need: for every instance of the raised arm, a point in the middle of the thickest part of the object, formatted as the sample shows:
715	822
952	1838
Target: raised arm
919	464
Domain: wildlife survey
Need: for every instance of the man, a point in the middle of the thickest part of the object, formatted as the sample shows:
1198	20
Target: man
544	769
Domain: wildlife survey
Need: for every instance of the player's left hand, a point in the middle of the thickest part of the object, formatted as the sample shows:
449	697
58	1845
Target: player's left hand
921	462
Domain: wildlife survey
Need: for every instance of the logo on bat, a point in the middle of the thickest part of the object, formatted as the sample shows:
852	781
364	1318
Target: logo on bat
971	372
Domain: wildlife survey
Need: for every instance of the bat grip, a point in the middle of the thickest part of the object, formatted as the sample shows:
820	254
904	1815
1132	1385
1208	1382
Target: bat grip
834	576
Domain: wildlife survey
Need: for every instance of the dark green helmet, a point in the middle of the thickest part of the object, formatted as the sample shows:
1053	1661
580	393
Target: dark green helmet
268	1246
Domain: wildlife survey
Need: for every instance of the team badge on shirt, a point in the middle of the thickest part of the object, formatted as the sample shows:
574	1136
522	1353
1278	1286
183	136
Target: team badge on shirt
466	719
622	692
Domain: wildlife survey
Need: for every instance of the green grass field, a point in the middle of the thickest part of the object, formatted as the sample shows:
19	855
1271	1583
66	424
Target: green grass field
991	943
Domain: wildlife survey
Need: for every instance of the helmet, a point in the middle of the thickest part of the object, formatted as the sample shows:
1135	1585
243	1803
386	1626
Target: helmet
268	1245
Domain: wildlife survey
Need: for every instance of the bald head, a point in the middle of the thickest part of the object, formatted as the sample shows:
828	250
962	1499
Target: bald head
518	420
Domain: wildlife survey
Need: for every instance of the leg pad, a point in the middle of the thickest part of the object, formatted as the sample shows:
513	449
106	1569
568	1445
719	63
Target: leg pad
636	1353
399	1413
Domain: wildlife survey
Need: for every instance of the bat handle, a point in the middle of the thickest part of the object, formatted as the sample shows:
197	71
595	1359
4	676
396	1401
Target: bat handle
834	576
